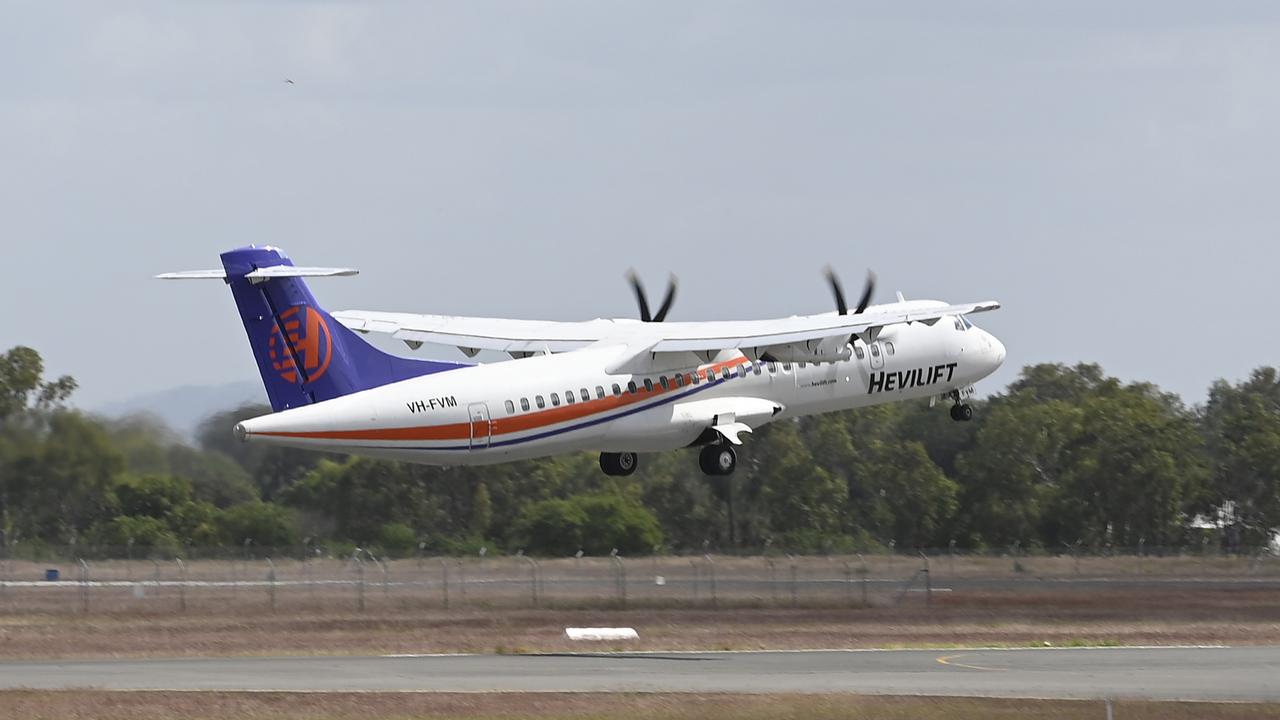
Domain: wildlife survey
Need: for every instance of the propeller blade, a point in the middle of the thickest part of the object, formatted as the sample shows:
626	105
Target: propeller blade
641	300
837	291
865	300
666	300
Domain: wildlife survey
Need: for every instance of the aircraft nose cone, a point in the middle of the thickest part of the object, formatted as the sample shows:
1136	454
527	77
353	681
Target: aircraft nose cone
240	433
997	350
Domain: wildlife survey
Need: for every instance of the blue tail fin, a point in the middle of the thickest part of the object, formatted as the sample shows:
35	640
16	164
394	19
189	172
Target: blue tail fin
303	354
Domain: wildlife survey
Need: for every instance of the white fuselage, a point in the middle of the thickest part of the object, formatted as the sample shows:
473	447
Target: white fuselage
518	409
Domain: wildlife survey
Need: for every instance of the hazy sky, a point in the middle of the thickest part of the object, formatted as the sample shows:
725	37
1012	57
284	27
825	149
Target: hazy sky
1108	171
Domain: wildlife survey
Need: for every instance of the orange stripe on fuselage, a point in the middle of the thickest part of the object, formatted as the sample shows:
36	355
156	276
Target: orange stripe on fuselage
515	423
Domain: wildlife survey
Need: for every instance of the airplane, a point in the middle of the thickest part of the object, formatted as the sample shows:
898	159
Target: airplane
614	386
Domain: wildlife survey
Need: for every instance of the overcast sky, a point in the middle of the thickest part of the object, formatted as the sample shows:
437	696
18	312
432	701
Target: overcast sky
1108	171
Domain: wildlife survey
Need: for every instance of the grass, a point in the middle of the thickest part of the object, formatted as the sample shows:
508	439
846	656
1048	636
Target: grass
93	705
1202	617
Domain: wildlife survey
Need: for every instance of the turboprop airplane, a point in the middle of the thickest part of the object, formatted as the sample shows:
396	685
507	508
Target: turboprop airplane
614	386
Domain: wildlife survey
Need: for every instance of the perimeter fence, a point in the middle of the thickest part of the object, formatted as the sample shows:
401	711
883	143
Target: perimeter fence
66	582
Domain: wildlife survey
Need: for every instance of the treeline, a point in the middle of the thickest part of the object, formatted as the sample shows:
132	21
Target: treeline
1065	457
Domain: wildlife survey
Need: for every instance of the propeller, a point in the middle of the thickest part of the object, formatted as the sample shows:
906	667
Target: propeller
643	301
838	291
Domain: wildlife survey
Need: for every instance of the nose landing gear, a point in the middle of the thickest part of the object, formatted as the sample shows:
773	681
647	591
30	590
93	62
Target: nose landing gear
618	464
718	459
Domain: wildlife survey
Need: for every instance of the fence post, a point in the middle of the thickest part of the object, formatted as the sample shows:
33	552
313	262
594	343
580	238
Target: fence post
462	578
697	577
848	583
84	586
773	580
863	570
711	578
182	584
533	578
359	583
795	587
619	579
271	583
386	576
444	581
928	582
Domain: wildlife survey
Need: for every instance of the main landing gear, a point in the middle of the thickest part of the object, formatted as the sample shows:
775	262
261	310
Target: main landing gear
718	459
962	412
618	464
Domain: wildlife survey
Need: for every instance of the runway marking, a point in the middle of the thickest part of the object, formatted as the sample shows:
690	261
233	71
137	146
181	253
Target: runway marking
966	650
947	660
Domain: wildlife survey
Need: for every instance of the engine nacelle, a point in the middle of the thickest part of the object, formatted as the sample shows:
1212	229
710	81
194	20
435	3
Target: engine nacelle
830	349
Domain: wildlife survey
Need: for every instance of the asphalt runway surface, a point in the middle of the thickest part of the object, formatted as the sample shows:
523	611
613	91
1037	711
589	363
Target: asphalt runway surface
1165	673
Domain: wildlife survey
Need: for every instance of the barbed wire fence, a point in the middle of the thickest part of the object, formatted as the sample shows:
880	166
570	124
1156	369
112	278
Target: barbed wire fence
68	582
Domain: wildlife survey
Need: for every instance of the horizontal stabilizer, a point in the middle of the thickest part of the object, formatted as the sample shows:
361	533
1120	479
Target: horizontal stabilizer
283	271
218	274
261	274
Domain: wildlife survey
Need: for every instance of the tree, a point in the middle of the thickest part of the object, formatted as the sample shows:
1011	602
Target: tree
267	525
1241	426
1135	474
596	524
22	384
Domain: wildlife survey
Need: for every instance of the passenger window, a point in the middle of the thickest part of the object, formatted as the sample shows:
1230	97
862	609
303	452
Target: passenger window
724	373
541	403
773	368
648	385
756	368
511	407
663	381
599	392
888	348
697	378
568	397
585	394
524	404
786	367
802	365
631	386
616	390
875	349
742	371
857	350
680	380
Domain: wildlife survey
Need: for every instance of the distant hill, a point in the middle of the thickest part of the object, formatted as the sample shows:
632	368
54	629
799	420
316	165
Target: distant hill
182	408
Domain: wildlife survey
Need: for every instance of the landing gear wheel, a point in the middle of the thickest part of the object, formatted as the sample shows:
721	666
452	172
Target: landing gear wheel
961	412
718	460
618	464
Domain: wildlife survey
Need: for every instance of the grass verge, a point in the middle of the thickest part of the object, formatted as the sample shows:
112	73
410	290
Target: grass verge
97	705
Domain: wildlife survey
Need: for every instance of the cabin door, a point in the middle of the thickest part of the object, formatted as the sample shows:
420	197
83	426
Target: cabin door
481	425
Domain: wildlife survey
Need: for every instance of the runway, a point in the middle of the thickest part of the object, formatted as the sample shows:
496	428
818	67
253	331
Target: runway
1166	673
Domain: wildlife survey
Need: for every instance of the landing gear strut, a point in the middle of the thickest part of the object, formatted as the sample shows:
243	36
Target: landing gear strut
718	459
618	464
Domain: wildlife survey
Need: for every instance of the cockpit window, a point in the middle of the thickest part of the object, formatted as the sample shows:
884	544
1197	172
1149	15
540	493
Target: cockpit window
959	323
967	325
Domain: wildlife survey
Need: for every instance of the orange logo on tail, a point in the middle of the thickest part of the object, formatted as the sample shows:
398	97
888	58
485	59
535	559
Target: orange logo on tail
312	344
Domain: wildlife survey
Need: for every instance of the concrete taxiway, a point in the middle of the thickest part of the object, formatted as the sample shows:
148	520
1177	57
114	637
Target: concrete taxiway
1170	673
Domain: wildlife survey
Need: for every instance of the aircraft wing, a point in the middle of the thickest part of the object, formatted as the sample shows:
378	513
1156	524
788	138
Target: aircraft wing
523	337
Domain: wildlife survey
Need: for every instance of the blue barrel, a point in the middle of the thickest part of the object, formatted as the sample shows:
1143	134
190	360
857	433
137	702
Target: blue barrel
51	575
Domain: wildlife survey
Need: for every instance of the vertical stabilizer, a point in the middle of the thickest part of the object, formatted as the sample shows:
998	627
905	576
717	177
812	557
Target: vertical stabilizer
303	354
